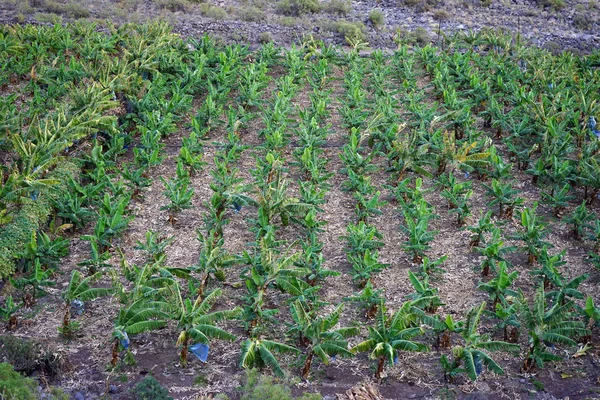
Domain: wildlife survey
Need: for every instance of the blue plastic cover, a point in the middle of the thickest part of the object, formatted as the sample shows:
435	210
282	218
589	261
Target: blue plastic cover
200	350
125	341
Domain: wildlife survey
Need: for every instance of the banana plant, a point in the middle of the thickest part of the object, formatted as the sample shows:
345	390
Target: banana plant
419	236
499	287
579	220
70	207
592	314
473	353
179	192
193	162
391	334
195	322
32	285
484	225
7	313
361	237
368	299
97	260
458	196
365	266
504	196
425	295
507	316
212	259
533	232
272	197
79	288
154	246
47	250
139	314
319	334
558	198
257	352
494	252
547	326
266	268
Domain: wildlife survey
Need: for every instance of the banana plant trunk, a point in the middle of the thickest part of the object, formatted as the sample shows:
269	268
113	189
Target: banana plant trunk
115	353
67	317
184	351
380	365
307	364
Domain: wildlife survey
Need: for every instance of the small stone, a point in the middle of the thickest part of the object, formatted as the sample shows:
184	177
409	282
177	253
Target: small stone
522	380
112	389
79	396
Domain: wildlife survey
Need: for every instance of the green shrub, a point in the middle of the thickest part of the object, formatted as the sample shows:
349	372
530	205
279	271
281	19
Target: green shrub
150	389
289	21
21	353
422	5
298	7
583	21
75	10
173	5
555	4
213	12
43	18
72	9
14	386
251	14
265	37
31	216
377	18
441	15
264	387
340	7
351	30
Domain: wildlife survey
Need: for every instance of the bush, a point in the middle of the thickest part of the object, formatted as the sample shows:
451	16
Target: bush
30	217
21	353
555	4
377	18
28	356
419	36
351	30
441	15
265	37
583	21
421	5
251	14
173	5
263	387
298	7
14	386
72	9
340	7
150	389
213	12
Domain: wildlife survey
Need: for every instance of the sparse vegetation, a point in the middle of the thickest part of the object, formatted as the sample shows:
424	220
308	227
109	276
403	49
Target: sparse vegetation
377	18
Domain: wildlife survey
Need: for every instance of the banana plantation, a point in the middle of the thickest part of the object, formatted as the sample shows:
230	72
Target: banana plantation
424	221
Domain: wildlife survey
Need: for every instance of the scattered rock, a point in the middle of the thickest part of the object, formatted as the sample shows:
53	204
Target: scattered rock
112	389
78	396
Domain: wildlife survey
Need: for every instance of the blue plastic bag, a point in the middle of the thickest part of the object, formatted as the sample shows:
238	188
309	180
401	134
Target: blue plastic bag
77	307
125	341
200	350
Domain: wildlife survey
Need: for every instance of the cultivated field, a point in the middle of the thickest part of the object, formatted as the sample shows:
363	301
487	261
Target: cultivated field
419	223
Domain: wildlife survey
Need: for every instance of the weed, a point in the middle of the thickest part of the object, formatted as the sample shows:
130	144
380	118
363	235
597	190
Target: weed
298	8
377	18
339	7
351	30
